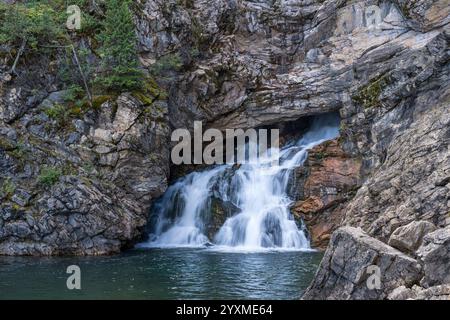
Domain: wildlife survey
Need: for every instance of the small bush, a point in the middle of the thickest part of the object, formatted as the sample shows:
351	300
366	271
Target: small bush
49	176
57	112
74	93
8	187
63	114
120	81
170	62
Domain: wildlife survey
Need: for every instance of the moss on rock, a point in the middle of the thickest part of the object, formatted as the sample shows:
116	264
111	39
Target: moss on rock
369	95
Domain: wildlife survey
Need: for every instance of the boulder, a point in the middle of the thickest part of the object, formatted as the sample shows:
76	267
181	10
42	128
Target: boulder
351	261
435	254
441	292
408	238
402	293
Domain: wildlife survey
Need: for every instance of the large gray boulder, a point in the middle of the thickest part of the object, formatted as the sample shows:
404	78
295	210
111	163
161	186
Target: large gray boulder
408	238
435	254
347	268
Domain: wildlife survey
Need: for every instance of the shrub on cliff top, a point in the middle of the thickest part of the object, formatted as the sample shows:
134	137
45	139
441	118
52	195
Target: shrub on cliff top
30	24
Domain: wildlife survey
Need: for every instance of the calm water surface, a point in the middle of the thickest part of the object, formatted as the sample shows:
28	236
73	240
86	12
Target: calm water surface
162	274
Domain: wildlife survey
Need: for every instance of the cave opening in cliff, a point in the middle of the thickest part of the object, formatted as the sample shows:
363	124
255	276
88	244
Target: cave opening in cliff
286	132
293	130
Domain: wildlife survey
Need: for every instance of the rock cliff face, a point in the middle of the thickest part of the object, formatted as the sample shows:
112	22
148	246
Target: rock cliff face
383	64
106	167
328	180
347	270
344	272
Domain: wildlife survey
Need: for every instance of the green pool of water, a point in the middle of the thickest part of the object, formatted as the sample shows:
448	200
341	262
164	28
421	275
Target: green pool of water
162	274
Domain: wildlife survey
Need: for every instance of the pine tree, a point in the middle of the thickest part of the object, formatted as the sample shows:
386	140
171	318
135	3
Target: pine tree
118	49
29	26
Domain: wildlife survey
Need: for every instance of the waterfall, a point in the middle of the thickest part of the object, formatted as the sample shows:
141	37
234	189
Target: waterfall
258	191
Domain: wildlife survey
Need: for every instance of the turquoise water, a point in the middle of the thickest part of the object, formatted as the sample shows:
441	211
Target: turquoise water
162	274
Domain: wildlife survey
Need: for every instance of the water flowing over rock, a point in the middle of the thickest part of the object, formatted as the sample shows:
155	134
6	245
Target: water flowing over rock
257	189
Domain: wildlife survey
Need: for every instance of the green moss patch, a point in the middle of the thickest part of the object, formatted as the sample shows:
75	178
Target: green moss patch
369	95
49	176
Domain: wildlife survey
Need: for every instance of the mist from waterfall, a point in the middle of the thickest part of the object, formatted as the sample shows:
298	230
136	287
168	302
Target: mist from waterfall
256	189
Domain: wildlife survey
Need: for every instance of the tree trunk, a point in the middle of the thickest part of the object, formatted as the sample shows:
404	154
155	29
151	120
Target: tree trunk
19	53
86	87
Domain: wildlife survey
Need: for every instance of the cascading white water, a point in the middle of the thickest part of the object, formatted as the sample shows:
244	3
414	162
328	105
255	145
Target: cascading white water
186	202
258	189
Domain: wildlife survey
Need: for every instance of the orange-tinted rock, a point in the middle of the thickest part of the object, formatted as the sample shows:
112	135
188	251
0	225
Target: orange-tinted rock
332	178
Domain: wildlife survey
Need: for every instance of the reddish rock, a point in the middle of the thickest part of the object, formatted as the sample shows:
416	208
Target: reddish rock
332	178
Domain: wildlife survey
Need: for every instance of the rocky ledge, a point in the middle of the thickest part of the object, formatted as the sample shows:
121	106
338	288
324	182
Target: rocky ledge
353	258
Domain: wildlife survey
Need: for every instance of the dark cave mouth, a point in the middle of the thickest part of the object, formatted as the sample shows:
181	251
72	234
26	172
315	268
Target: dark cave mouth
288	131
